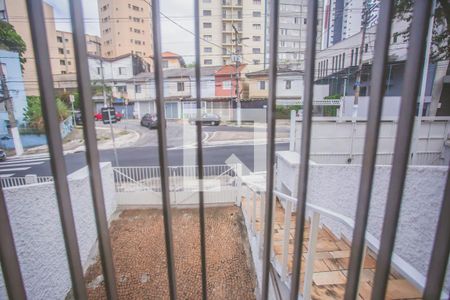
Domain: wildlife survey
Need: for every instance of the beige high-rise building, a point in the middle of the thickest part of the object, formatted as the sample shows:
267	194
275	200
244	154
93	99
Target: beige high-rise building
217	19
60	43
65	53
126	27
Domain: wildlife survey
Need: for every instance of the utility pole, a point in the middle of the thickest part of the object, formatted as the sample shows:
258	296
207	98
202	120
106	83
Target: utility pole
105	103
10	109
360	59
237	60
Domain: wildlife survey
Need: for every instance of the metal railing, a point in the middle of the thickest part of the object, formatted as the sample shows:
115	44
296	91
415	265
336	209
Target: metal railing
7	182
253	194
181	178
419	27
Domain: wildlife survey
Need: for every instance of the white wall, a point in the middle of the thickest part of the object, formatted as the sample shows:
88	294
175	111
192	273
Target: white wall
36	226
329	136
335	188
111	68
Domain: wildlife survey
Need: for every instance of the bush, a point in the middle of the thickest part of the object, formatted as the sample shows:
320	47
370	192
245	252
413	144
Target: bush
284	111
33	112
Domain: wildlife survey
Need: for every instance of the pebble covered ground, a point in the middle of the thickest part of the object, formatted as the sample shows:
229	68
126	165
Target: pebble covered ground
140	260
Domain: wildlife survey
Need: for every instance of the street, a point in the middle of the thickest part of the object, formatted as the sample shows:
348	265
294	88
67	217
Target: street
220	142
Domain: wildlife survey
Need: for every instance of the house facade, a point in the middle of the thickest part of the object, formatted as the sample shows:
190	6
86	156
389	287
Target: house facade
10	64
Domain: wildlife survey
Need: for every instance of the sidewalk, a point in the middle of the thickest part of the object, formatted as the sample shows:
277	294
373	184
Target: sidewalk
74	142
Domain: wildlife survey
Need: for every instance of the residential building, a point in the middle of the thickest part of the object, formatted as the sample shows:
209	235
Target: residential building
10	64
344	18
337	66
126	27
292	33
218	22
225	79
65	53
16	14
172	60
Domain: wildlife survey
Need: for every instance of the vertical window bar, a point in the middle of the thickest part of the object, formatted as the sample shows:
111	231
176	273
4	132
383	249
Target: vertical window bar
92	155
413	70
57	163
271	123
311	35
370	145
441	249
162	149
200	149
8	255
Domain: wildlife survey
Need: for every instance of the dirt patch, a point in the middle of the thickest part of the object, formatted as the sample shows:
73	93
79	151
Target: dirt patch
140	261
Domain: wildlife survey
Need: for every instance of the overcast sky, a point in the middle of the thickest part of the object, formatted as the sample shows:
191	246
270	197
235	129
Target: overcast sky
173	38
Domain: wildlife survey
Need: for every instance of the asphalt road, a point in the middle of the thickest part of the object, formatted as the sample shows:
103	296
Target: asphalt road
147	156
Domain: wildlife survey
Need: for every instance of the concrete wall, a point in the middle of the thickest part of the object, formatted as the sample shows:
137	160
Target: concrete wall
330	136
38	236
335	188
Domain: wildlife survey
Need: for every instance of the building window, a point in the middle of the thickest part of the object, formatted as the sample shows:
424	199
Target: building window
98	70
226	85
351	57
59	39
287	84
395	37
262	85
60	50
256	61
257	26
207	49
180	86
62	62
122	71
356	56
206	1
366	48
283	31
138	89
257	2
207	37
206	13
256	14
63	72
165	64
207	25
207	62
122	88
305	21
256	50
256	38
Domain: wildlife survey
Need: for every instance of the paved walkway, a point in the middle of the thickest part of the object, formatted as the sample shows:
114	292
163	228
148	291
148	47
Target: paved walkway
139	256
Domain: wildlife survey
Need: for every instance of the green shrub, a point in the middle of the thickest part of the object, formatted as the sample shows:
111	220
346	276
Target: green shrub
33	112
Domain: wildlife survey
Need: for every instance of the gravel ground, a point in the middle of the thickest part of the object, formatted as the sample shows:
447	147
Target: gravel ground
140	261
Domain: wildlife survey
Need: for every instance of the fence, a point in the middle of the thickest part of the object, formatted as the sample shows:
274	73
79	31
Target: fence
7	182
181	178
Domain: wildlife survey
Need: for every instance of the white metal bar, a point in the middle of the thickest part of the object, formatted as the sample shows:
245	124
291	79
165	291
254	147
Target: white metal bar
314	230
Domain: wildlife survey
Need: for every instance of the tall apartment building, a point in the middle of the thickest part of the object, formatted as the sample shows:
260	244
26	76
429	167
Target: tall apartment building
344	18
292	35
217	19
65	55
126	27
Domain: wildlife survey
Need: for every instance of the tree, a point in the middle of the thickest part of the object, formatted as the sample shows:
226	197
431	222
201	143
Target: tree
441	28
440	50
33	112
10	40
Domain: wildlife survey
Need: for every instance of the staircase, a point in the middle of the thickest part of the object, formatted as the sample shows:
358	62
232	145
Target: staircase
331	257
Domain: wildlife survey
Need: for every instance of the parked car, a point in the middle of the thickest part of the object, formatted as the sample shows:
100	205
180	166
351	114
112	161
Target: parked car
2	155
99	117
207	119
150	121
78	120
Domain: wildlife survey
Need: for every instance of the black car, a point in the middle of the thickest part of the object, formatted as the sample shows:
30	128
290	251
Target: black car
78	120
150	121
207	119
2	155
